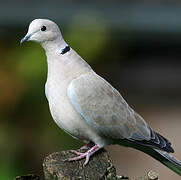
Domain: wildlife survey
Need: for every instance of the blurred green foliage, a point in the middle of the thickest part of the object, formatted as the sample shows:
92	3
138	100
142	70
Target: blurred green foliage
90	37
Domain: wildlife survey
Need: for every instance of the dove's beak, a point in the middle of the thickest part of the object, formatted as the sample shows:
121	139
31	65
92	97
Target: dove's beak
26	38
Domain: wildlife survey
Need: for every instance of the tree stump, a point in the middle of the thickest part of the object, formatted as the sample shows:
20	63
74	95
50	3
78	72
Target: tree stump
99	167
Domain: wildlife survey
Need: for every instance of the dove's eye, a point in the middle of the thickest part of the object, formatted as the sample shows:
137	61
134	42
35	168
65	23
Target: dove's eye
43	28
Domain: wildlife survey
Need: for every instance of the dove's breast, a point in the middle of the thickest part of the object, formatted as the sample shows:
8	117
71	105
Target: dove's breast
64	114
61	71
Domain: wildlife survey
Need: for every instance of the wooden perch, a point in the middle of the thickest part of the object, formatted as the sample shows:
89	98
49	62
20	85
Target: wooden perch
100	167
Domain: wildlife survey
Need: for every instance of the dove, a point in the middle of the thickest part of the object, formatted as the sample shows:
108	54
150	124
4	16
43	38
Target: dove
89	108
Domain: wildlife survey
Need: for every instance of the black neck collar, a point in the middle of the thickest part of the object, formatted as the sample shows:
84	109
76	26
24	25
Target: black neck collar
65	50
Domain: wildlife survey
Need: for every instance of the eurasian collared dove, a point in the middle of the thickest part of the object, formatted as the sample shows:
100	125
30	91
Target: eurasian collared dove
87	107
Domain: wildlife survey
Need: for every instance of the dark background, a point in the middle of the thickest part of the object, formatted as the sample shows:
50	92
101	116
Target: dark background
135	45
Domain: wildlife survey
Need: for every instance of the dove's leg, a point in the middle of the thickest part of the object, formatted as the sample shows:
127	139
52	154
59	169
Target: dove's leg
86	154
85	147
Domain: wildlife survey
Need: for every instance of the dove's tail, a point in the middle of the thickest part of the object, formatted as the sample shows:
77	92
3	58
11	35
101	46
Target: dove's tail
165	158
169	161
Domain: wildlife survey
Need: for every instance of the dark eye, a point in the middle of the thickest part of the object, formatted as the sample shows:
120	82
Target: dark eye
43	28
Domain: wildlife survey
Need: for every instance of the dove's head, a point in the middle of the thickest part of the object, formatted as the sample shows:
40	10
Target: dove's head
42	30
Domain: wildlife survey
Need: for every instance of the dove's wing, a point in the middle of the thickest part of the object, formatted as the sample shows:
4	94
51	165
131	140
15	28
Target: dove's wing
105	110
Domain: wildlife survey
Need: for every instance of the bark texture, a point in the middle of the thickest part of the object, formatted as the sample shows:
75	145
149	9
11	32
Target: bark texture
99	167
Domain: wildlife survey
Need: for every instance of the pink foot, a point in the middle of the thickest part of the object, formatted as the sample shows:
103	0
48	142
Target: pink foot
85	147
86	155
76	152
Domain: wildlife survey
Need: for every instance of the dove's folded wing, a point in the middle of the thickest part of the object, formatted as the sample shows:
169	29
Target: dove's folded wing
104	109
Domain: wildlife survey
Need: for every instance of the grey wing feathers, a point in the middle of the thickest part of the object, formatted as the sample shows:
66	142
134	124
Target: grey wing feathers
104	109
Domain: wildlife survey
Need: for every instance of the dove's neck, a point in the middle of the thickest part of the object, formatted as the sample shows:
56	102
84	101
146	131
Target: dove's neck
56	46
63	66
